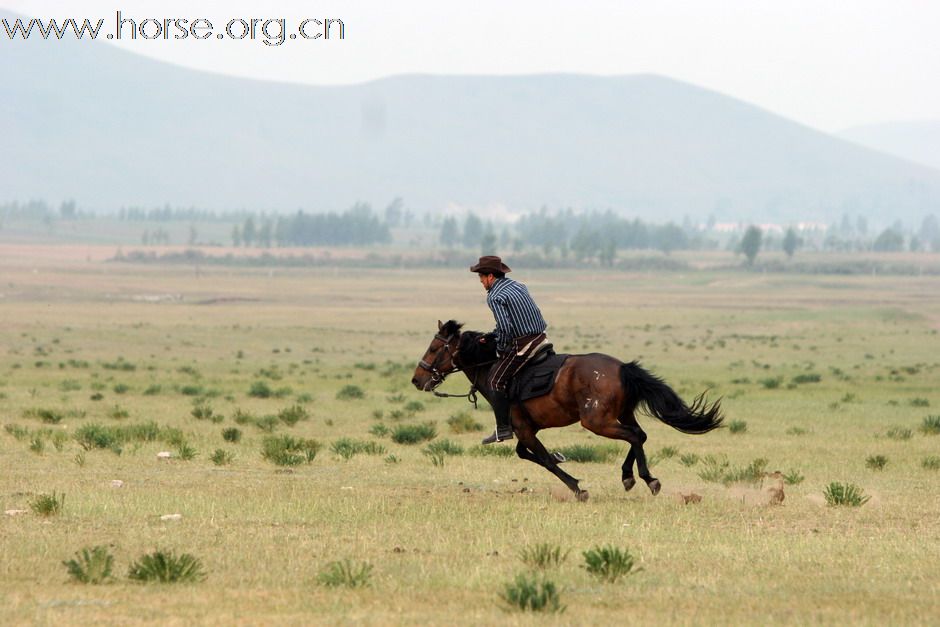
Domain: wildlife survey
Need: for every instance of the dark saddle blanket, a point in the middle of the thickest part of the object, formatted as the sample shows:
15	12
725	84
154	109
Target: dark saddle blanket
537	378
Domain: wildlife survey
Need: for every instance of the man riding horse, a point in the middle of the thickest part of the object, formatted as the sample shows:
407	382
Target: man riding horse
520	331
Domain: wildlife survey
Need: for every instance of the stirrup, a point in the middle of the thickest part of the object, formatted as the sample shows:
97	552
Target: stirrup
497	437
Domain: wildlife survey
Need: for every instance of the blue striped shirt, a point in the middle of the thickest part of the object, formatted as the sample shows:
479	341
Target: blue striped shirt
515	312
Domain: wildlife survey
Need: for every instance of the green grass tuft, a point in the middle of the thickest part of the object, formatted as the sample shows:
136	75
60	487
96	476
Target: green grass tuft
608	563
413	434
737	426
587	453
167	567
346	574
348	447
876	462
48	504
350	392
931	462
931	425
284	450
232	434
293	414
221	457
91	565
528	593
899	433
463	422
543	556
845	494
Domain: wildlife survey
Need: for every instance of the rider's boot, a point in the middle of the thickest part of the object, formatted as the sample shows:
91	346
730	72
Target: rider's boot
500	403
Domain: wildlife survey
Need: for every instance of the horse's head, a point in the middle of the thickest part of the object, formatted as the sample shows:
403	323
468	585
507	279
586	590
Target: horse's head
440	357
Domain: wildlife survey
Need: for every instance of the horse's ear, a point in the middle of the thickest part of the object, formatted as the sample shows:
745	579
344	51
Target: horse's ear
440	325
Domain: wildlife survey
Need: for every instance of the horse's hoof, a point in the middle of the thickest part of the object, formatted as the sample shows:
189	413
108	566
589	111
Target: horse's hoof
628	483
583	495
654	486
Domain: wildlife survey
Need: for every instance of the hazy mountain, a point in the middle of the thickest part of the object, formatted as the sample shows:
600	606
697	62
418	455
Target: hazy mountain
915	141
109	128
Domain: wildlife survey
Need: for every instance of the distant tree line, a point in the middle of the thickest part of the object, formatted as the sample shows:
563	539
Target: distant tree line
357	226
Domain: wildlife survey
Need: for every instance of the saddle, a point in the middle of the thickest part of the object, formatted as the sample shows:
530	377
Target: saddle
537	378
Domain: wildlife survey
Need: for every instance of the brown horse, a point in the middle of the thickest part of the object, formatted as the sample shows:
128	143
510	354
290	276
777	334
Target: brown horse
599	391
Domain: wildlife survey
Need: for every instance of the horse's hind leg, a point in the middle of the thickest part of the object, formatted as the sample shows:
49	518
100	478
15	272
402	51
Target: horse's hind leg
626	475
626	428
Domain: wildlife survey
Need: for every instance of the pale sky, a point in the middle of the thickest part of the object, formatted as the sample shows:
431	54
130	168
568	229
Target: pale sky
830	65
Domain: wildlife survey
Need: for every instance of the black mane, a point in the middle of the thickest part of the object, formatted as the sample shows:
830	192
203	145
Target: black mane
472	352
451	327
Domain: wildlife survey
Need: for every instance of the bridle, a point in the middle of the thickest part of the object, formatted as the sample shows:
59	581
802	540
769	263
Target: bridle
438	376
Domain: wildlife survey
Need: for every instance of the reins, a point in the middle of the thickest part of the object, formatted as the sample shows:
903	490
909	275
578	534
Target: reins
438	376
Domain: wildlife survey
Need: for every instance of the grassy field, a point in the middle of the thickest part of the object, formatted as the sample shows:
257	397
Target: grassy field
821	377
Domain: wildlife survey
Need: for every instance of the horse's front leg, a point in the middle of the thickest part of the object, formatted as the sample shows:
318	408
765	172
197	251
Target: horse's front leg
529	447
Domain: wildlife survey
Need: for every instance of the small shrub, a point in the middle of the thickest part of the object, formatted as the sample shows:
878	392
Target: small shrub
243	417
688	459
167	567
48	504
737	426
37	444
809	377
845	494
492	451
18	432
608	563
192	390
413	407
221	457
185	451
793	477
48	416
531	594
543	556
919	402
379	430
412	434
463	423
585	453
350	392
719	470
771	383
931	462
232	434
444	447
293	414
931	425
876	462
97	396
260	389
59	438
899	433
70	385
284	450
203	411
153	389
797	431
121	388
267	423
91	565
347	448
345	573
118	413
94	435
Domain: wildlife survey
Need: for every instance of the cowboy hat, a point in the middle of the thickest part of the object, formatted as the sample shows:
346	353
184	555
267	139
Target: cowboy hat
490	264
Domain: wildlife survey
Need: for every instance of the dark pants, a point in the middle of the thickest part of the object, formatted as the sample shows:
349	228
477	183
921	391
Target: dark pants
513	360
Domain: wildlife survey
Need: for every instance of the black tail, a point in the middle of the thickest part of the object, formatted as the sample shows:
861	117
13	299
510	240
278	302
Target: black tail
663	403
